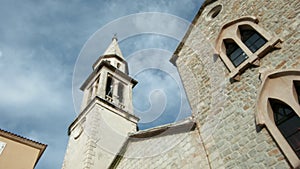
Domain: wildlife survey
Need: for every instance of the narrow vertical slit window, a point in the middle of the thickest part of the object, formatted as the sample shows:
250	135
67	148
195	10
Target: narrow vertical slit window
297	88
251	38
234	52
89	97
121	92
288	123
109	86
96	85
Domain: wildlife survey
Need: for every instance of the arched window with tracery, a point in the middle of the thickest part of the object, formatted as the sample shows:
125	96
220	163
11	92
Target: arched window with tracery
278	109
288	123
242	42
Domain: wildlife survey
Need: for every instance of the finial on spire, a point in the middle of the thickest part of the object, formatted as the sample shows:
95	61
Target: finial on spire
115	37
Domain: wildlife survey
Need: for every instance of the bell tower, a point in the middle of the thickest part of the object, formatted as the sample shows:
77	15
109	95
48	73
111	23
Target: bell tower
106	118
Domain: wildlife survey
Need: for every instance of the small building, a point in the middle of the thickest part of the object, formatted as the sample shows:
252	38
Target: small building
17	152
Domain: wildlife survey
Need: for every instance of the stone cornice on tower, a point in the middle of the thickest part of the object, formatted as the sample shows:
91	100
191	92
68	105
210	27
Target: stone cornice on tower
122	74
96	64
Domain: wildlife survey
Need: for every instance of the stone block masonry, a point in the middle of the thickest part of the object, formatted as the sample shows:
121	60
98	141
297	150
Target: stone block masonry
186	152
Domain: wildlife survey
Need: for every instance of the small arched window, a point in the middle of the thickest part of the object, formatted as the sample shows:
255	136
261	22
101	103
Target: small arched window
234	52
251	38
241	43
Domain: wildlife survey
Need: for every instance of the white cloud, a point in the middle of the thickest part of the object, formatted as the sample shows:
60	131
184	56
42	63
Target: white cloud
26	76
151	67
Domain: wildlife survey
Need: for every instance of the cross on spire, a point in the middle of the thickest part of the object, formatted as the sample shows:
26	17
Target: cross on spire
115	37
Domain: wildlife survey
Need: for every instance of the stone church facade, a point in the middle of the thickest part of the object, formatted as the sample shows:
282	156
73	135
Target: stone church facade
240	67
239	83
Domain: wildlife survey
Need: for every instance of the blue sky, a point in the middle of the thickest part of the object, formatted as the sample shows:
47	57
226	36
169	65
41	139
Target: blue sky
42	41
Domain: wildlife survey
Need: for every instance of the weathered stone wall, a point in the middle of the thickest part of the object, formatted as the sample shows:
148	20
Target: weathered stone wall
181	150
226	111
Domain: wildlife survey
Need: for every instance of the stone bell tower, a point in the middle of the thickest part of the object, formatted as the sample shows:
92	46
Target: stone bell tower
106	117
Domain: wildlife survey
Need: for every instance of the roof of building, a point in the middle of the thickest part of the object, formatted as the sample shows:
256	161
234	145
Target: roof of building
143	136
172	128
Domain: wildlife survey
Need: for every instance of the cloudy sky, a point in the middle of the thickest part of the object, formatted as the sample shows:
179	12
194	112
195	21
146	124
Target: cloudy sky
47	49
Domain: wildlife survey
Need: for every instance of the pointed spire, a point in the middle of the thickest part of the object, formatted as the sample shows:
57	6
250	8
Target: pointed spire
113	48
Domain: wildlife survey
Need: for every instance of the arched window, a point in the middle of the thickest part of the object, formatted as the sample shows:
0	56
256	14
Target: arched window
288	123
234	52
251	38
241	43
278	109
